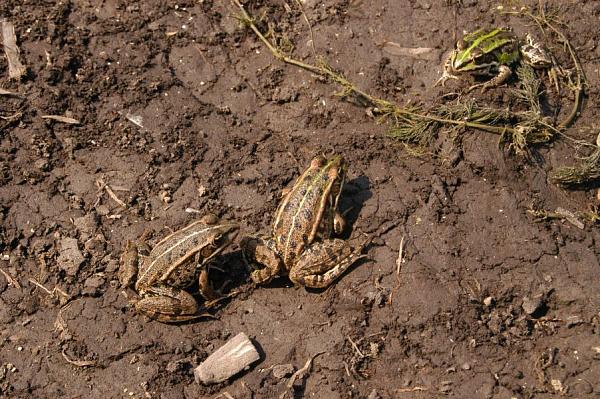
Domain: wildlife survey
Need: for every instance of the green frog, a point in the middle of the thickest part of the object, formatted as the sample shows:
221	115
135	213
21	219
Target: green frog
493	53
301	245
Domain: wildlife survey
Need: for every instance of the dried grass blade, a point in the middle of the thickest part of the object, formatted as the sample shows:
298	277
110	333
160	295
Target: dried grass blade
62	119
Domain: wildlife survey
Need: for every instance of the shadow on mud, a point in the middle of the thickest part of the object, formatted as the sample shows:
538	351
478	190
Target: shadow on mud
354	195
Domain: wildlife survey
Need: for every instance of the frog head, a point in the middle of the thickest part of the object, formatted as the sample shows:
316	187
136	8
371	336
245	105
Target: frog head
535	54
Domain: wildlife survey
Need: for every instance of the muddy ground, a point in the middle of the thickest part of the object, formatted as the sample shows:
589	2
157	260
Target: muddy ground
181	108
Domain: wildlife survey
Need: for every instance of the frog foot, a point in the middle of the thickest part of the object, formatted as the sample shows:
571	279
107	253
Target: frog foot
322	263
504	72
211	295
168	305
445	76
260	251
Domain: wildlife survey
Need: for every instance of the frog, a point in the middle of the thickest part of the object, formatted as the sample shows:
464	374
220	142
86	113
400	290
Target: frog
301	244
493	52
161	274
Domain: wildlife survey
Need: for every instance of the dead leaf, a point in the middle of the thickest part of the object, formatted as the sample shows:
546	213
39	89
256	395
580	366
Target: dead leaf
15	68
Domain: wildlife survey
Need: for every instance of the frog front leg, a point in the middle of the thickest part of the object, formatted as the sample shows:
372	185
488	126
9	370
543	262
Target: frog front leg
324	262
168	304
128	269
448	69
504	72
129	262
260	251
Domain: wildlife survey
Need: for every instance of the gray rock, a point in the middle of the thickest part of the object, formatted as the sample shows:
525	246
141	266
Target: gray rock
233	357
70	258
283	370
531	305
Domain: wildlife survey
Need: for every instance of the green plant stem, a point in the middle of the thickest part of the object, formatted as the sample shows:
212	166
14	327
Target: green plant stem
383	106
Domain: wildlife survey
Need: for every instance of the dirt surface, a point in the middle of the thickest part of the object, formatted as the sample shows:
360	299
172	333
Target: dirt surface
180	108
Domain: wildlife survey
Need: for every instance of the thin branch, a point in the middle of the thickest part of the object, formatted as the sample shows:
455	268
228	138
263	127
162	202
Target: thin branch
380	106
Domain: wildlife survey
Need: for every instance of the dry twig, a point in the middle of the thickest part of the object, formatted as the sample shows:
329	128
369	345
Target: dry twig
414	389
63	297
360	354
12	281
400	258
104	186
300	374
8	93
78	363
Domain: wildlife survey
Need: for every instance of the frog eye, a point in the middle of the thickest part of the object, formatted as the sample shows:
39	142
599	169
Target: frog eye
461	44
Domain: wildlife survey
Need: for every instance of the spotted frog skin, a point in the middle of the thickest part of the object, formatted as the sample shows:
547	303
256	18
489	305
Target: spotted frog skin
300	245
173	265
493	53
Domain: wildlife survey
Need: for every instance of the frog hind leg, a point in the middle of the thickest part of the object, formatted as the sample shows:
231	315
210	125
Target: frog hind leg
504	72
208	292
322	263
168	305
260	251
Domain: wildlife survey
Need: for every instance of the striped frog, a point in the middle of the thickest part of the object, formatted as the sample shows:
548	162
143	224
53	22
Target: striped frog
301	245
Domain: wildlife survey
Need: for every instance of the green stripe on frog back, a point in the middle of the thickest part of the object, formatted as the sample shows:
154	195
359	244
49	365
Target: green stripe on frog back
483	42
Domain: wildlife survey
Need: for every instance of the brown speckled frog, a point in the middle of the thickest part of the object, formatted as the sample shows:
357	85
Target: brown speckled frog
301	245
173	265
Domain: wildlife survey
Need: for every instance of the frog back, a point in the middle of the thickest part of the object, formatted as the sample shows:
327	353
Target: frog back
306	210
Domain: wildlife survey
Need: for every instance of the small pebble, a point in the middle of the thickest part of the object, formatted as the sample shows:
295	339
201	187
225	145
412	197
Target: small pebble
531	305
489	301
466	366
283	370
